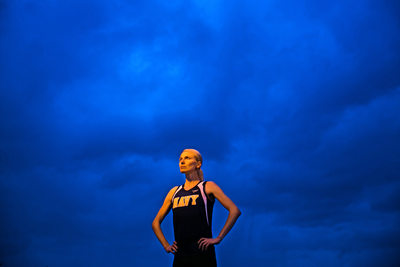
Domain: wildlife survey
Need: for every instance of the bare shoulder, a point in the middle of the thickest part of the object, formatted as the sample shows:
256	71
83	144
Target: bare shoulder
214	190
173	189
171	192
211	184
211	187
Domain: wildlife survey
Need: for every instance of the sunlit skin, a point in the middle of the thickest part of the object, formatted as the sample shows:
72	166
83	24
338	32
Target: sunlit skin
189	165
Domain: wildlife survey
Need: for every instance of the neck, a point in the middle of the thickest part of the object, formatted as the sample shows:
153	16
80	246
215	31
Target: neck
190	184
192	177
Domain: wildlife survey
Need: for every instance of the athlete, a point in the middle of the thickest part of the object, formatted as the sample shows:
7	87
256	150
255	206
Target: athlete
192	205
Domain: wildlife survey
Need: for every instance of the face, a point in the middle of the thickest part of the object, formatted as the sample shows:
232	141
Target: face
188	162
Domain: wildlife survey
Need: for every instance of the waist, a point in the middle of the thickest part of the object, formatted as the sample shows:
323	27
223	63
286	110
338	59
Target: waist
191	247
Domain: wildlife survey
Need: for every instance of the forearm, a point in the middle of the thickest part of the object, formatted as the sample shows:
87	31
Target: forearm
160	236
230	222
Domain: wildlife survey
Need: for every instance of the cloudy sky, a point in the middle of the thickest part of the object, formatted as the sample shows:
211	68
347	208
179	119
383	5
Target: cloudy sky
294	105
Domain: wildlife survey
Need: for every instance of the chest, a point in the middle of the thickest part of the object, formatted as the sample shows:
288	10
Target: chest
190	198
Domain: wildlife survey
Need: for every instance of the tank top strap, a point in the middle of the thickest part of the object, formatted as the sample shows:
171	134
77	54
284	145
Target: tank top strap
205	199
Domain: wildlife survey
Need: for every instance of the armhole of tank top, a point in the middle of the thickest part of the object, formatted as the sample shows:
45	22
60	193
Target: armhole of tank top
204	188
176	191
205	198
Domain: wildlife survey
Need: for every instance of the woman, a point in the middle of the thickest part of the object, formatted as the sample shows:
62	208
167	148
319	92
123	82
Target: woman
192	205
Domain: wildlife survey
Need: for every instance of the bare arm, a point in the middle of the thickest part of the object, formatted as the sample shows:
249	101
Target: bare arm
156	225
234	213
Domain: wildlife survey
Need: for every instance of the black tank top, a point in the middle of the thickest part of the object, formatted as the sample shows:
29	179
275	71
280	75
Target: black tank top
192	217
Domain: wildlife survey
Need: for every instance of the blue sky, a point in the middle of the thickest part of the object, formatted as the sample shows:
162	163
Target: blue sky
294	106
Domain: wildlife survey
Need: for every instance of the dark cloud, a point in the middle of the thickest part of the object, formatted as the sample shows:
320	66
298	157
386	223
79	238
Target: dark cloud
294	106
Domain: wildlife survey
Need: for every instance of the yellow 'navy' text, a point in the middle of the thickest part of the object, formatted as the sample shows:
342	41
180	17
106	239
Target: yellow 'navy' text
184	201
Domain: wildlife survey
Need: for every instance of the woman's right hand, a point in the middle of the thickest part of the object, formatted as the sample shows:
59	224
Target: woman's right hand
172	248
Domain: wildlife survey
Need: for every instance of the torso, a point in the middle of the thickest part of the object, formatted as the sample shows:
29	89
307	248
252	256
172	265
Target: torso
192	216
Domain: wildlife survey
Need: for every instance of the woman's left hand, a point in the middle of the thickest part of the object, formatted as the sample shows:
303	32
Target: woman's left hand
205	242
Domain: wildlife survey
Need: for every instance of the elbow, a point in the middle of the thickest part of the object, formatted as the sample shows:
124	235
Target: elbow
155	224
236	212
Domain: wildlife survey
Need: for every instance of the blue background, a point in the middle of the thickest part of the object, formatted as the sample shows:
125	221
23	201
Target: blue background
294	106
